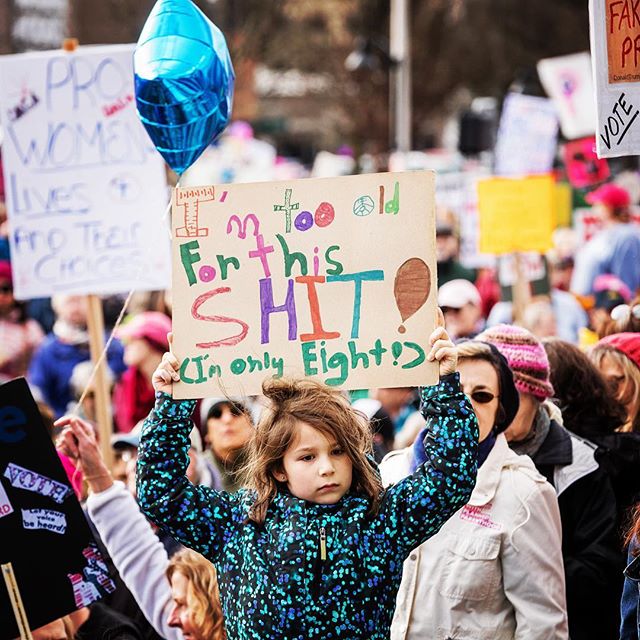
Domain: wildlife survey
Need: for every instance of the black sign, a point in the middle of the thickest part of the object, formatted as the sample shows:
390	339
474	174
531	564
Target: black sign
43	531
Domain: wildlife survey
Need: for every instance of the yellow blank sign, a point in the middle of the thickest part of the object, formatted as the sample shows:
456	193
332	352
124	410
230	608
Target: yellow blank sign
516	214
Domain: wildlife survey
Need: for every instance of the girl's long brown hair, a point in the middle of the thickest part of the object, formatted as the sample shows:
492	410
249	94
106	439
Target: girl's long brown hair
324	409
203	596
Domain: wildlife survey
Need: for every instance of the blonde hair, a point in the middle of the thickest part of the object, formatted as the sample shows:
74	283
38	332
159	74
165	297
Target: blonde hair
203	595
324	409
476	350
631	376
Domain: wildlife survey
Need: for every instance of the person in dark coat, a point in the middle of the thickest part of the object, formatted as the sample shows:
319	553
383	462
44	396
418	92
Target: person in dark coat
587	502
590	411
630	601
68	344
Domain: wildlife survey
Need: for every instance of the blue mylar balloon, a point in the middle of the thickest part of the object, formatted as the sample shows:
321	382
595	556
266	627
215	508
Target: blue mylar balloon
183	81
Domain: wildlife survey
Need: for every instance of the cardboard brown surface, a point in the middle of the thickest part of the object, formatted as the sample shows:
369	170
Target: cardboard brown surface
304	278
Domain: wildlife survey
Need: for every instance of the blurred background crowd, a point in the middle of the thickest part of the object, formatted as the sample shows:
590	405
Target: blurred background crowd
549	343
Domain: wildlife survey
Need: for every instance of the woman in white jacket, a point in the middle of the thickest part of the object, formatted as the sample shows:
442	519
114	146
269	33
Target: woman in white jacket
495	570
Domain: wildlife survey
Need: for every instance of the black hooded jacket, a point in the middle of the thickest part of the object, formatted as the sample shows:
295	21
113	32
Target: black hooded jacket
590	545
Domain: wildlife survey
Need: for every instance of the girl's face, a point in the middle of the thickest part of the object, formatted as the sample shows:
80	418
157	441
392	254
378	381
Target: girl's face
180	616
480	383
315	469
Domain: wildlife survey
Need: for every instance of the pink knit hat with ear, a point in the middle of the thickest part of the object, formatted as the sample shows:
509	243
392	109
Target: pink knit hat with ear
526	357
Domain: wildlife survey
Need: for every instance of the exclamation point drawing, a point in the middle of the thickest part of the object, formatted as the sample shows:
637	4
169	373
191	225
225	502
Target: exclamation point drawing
411	288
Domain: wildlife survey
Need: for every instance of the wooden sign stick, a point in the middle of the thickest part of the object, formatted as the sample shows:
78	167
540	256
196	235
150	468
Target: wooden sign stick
16	601
95	325
521	291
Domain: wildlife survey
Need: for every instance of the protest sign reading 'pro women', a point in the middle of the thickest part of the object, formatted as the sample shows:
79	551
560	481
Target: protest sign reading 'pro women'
615	51
85	187
44	533
330	278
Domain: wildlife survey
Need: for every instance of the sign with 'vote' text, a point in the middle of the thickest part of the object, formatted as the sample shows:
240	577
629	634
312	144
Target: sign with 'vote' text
44	532
615	54
330	278
85	187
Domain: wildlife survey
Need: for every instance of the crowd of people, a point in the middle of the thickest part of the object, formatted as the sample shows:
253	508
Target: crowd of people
500	503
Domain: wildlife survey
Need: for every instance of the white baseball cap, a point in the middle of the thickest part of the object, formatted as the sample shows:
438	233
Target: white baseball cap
455	294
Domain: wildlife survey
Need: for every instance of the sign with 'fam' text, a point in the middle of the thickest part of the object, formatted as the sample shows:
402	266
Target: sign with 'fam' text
615	52
85	188
326	278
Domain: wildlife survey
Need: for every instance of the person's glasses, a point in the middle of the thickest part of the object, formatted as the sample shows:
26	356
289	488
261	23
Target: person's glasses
235	409
482	397
446	310
624	311
6	288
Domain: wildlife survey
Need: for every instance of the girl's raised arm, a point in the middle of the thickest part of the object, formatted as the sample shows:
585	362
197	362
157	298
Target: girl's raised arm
196	516
415	508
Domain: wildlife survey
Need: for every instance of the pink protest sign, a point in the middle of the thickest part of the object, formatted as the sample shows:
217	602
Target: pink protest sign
584	168
329	278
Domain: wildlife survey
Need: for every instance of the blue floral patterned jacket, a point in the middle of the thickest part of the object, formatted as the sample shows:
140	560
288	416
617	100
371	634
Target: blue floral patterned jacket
273	583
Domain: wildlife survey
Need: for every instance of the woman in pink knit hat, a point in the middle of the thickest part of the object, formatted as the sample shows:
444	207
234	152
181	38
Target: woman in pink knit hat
587	503
145	340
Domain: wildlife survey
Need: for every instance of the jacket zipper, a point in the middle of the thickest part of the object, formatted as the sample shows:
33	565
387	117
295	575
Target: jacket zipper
323	543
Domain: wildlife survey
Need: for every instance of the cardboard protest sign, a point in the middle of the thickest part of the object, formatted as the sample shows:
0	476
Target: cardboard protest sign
534	271
563	204
584	168
615	50
44	533
457	191
516	214
587	223
327	278
569	83
527	136
85	188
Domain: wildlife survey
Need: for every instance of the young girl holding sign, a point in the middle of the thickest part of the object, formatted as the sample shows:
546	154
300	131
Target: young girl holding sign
314	548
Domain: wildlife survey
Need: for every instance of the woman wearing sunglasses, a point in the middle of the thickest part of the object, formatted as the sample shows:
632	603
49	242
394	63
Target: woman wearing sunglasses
495	568
229	428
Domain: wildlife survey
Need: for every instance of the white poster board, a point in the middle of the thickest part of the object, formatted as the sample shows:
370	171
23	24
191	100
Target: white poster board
569	83
587	223
527	136
615	51
85	188
458	192
331	278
